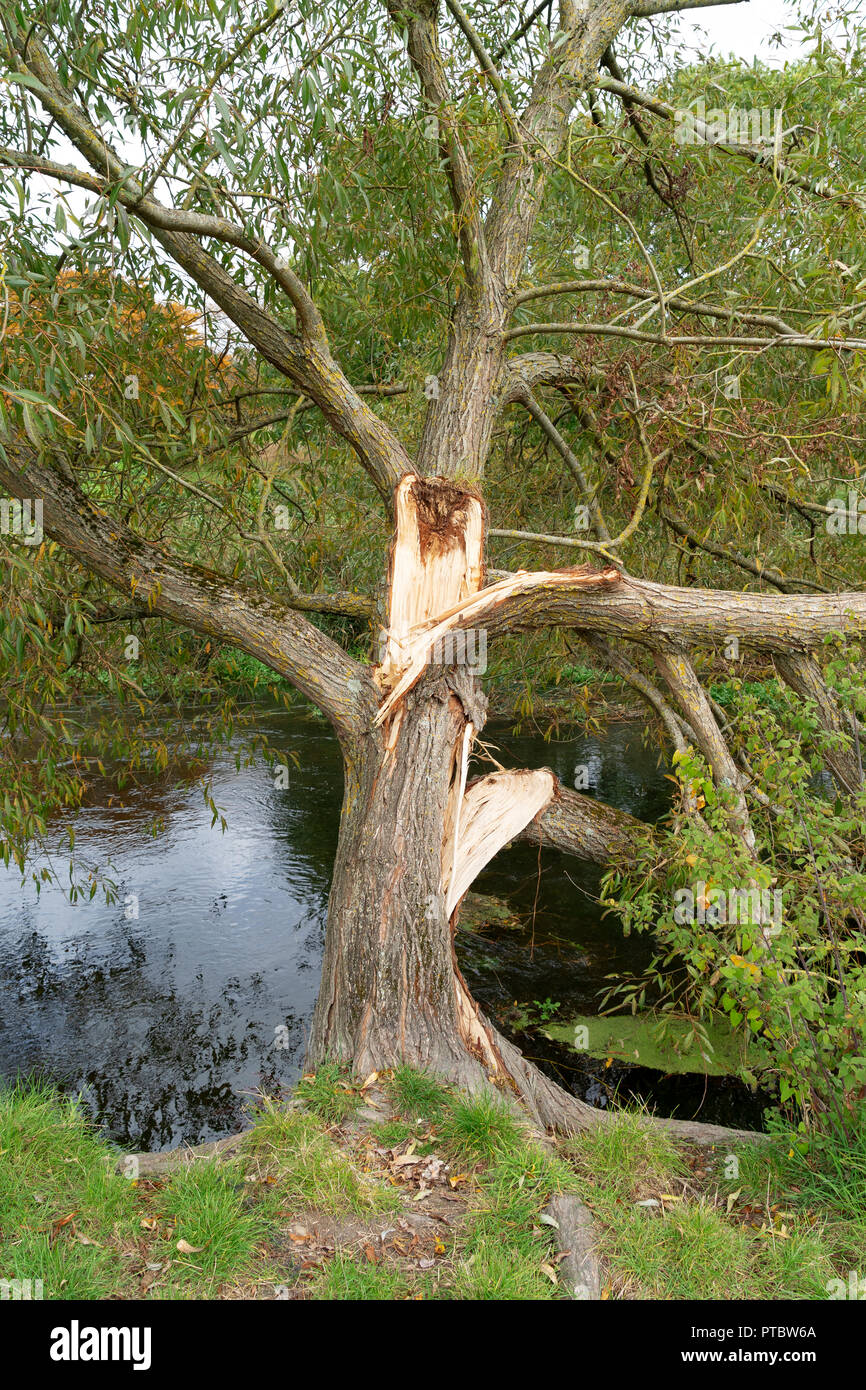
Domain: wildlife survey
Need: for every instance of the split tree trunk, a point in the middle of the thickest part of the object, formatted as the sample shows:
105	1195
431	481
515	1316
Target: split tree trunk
391	991
413	837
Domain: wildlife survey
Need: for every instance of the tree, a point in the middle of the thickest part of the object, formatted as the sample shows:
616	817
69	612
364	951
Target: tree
264	178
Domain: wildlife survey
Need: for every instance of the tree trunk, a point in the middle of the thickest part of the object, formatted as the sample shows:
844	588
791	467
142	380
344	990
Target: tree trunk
389	987
391	991
412	838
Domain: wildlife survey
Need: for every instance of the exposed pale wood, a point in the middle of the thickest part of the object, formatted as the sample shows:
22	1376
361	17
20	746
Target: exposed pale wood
455	807
472	1028
437	561
495	809
417	645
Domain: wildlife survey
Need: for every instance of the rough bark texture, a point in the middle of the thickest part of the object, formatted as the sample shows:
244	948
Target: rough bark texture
413	837
388	990
577	1237
803	674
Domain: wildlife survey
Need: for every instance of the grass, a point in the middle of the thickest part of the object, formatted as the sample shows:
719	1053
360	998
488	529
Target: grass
504	1254
767	692
204	1209
60	1207
779	1220
346	1277
682	1224
479	1130
415	1094
311	1171
329	1093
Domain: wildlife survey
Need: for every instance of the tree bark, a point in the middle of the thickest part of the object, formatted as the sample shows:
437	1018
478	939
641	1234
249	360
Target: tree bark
801	672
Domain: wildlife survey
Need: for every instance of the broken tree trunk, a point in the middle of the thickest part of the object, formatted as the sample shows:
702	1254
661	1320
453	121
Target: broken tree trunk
413	836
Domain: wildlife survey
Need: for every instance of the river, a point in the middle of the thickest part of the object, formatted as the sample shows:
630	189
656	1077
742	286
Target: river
169	1008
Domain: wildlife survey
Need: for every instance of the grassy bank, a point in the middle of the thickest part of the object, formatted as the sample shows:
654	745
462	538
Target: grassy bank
408	1190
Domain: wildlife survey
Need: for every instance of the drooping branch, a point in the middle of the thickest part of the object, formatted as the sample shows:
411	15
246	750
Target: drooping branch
734	557
522	28
192	596
677	726
588	493
680	677
764	158
303	357
422	43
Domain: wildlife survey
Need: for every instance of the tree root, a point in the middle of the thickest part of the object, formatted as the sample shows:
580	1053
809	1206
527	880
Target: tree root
552	1107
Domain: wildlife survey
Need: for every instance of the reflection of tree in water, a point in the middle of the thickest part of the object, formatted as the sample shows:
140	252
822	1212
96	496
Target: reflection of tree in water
155	1066
307	814
163	1025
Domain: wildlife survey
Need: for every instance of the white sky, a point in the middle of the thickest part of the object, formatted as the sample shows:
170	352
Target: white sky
746	29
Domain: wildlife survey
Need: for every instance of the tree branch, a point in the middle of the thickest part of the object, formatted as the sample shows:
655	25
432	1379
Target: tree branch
766	159
426	58
585	828
305	360
192	596
682	681
642	611
618	330
733	557
801	672
645	9
686	306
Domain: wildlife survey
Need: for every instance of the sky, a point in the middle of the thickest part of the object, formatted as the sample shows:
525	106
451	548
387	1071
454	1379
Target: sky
746	29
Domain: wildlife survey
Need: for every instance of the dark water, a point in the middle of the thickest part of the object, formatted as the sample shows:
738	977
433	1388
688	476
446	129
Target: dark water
166	1020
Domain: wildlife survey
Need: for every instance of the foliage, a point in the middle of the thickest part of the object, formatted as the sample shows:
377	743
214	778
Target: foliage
789	971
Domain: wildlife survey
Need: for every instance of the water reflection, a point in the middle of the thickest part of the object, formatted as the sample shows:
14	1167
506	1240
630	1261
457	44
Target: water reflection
166	1009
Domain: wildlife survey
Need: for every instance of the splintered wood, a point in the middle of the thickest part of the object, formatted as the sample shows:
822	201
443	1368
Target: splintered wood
437	570
437	574
493	811
436	563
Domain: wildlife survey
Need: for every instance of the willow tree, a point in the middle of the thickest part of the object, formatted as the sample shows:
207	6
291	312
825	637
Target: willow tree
192	148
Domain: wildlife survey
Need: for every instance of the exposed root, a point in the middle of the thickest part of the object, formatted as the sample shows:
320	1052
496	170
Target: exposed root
551	1107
